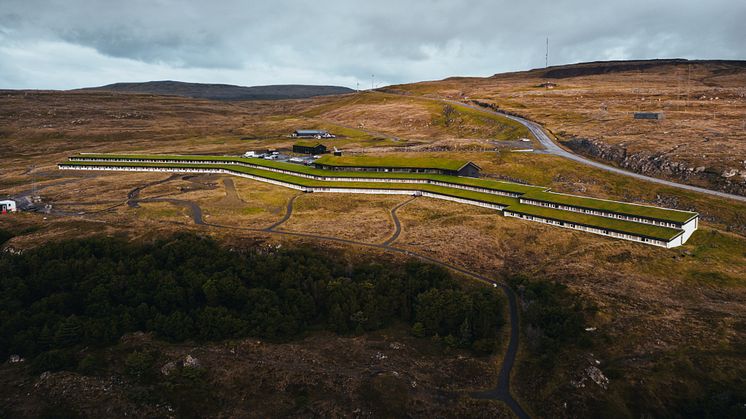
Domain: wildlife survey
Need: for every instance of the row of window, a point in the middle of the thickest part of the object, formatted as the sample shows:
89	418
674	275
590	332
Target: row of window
590	229
601	213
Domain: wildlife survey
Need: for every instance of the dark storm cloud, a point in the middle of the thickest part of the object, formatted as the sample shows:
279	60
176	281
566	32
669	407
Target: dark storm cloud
66	44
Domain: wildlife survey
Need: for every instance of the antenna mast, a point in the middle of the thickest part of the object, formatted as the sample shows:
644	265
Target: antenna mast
546	57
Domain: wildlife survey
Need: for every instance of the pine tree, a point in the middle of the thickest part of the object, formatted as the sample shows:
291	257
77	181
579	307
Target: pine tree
465	334
69	332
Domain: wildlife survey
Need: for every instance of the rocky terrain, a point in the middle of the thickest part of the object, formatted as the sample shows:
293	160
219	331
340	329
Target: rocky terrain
376	375
731	179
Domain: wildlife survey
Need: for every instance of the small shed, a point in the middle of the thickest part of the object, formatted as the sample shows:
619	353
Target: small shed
309	147
649	115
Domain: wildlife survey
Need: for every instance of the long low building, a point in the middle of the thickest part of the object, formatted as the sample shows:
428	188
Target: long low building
481	199
640	223
430	165
644	214
628	230
497	187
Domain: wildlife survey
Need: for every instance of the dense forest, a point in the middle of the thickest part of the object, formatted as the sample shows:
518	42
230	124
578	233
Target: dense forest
90	292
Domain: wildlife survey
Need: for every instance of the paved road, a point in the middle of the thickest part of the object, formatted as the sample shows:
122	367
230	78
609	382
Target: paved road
397	224
288	213
552	148
134	194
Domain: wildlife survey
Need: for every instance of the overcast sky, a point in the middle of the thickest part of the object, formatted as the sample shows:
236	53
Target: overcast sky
63	44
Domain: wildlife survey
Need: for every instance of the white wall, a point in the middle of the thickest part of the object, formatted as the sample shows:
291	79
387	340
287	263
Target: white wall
10	206
624	236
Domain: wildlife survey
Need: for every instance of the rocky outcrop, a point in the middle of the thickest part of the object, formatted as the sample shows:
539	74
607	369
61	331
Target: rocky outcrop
730	180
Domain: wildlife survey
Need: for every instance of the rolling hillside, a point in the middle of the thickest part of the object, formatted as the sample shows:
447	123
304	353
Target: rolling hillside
223	91
590	106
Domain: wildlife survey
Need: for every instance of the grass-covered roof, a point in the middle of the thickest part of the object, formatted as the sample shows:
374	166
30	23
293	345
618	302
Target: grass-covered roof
623	208
393	162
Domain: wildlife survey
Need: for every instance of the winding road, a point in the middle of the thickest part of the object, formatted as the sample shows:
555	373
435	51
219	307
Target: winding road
552	148
501	392
288	213
397	224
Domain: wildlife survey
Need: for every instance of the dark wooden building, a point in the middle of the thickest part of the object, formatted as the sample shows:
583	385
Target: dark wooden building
308	147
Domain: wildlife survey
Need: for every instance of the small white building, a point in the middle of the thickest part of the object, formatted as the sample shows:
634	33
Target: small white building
7	205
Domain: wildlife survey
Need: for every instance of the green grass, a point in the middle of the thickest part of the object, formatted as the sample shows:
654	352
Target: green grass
624	208
620	226
306	170
307	143
393	162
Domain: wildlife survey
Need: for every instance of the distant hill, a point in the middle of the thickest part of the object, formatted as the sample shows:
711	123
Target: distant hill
608	67
223	91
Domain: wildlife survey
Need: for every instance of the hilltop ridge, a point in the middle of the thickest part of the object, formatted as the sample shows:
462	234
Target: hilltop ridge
223	91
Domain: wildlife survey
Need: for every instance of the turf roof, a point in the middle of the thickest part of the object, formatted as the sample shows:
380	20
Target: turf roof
308	143
623	208
466	181
394	162
621	226
645	230
312	183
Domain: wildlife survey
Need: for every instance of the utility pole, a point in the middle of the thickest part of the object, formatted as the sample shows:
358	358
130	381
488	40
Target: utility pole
546	56
358	87
688	77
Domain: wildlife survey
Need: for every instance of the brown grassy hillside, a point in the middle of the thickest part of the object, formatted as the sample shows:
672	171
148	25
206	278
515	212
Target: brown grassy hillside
669	324
702	139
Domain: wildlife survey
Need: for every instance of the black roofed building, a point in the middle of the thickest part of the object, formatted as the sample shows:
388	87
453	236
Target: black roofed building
309	147
649	115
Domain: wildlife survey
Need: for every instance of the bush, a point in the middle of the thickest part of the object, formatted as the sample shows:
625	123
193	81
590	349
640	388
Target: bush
54	360
140	365
418	330
555	317
91	364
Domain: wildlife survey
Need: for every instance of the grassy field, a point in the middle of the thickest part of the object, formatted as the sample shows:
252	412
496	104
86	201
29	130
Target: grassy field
412	162
669	322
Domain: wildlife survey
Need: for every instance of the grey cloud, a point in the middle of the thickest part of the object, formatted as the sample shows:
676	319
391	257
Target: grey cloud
339	41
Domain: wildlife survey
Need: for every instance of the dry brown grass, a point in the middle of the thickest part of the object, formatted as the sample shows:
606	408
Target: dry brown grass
652	301
363	218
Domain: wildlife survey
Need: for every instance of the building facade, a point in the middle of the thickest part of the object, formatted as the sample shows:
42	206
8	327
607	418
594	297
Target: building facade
309	148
